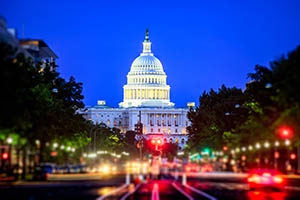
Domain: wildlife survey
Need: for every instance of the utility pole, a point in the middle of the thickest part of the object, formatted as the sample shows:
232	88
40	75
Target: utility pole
139	132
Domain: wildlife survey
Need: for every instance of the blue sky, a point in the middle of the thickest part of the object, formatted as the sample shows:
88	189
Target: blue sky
201	44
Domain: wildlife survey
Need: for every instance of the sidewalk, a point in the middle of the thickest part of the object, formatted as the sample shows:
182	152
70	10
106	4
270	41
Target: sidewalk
6	178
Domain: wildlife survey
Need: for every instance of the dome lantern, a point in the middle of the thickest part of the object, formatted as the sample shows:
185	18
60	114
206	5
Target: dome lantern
147	45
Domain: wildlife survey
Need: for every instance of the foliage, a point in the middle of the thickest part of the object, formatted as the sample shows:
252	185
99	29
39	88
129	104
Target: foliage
38	104
218	112
271	100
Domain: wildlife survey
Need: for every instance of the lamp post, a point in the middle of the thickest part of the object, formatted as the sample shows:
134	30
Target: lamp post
276	155
287	163
9	141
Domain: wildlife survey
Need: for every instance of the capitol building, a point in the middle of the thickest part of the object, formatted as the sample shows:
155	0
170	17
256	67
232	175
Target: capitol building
146	100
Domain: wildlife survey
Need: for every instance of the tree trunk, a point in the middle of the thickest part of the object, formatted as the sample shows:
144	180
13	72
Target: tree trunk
24	163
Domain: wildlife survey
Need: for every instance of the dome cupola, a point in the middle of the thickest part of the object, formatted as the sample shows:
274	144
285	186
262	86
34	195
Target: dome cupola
146	81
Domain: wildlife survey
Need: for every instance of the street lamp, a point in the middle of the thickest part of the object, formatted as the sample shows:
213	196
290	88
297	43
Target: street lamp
9	141
276	154
288	165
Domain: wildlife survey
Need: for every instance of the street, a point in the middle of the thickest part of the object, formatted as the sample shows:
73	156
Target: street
95	187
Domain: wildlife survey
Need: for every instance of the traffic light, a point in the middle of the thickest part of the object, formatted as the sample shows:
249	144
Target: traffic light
156	143
285	132
4	156
293	156
138	128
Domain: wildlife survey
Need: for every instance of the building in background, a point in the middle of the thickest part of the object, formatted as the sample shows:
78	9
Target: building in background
40	51
36	49
146	99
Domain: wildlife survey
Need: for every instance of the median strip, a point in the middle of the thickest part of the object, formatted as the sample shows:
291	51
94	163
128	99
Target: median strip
155	192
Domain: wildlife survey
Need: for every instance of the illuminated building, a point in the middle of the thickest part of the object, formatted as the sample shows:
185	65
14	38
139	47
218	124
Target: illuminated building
146	98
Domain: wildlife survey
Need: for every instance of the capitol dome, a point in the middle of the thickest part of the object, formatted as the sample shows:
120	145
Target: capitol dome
146	64
146	81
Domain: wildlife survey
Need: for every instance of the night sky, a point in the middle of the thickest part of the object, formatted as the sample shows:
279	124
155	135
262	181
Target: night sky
201	44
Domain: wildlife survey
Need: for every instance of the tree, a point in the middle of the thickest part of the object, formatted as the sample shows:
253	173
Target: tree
130	144
218	112
38	105
276	90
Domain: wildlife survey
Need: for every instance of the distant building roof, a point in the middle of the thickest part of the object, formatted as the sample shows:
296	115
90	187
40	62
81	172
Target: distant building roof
8	37
38	48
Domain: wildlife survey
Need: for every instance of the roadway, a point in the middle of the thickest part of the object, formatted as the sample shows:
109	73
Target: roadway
210	186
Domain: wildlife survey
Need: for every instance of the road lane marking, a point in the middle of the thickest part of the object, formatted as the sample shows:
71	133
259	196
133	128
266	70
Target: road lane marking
131	192
155	192
182	191
201	192
112	192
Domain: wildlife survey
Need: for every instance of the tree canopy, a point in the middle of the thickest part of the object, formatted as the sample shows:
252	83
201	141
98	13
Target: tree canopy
234	117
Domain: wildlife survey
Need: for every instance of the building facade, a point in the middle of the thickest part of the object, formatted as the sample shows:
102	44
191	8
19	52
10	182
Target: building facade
146	99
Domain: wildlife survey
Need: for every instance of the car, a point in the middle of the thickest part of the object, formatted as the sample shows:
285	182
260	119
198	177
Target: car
191	167
265	179
40	173
206	168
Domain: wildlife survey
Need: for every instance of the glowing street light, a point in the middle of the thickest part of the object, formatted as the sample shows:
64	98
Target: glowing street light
267	144
257	145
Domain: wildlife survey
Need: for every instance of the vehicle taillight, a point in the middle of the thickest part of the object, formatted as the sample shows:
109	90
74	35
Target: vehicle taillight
277	179
254	179
266	174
